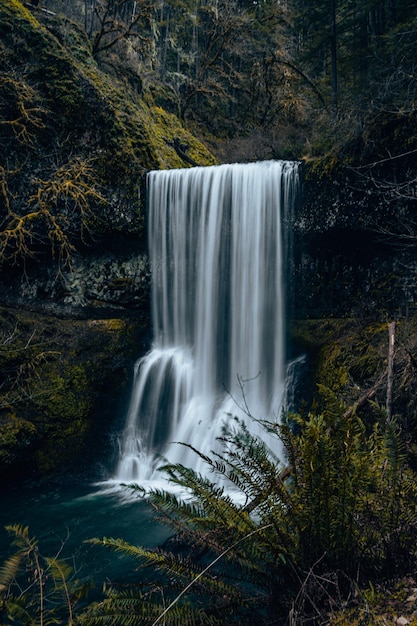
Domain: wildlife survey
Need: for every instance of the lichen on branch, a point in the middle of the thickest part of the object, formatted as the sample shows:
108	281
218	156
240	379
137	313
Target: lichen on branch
20	113
58	208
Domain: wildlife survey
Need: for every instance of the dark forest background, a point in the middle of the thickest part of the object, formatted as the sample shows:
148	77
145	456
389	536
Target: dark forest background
277	78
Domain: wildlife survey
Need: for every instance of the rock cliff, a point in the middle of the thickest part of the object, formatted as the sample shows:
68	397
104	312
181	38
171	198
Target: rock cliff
75	145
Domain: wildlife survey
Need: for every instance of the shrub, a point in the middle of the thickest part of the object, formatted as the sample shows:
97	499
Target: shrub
289	540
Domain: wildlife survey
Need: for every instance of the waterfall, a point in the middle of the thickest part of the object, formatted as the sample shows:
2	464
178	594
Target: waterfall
216	253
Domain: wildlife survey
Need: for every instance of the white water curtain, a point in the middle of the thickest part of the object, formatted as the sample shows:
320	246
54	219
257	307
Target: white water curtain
215	245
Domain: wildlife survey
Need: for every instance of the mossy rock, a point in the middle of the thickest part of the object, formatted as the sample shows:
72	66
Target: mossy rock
64	415
17	435
80	114
345	358
65	385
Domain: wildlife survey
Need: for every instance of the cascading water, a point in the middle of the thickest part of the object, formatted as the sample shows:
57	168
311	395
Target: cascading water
215	245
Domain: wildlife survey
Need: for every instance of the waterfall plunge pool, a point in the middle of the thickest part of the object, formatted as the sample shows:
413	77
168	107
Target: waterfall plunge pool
66	516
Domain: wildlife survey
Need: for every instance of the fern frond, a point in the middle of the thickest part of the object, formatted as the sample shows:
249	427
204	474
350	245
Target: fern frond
17	611
21	537
395	447
170	505
61	572
129	610
120	545
8	572
217	515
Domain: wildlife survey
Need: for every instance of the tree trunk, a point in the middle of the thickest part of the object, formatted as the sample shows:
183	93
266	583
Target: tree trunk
333	52
390	374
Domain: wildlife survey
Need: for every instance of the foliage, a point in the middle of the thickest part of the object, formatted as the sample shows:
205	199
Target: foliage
76	138
286	540
29	395
36	589
348	359
57	207
266	79
117	21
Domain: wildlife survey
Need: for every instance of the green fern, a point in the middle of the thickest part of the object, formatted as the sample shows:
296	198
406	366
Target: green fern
342	505
128	609
8	572
36	590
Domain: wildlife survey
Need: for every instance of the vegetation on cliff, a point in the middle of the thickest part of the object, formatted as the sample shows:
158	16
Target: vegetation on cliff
92	96
264	79
60	383
75	145
75	142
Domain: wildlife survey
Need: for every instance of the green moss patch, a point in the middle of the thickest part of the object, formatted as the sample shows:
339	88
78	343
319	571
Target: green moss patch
16	436
62	384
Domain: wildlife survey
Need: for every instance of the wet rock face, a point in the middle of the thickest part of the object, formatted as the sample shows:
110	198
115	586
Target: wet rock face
351	273
349	256
103	281
69	339
119	282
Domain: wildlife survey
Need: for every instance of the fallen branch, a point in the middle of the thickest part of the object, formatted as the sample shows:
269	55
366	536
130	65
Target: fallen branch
35	5
391	343
366	396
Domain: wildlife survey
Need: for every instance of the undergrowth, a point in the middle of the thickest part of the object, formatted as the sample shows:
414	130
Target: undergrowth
257	539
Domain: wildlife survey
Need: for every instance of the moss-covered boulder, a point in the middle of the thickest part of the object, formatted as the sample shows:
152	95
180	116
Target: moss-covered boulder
346	363
64	388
